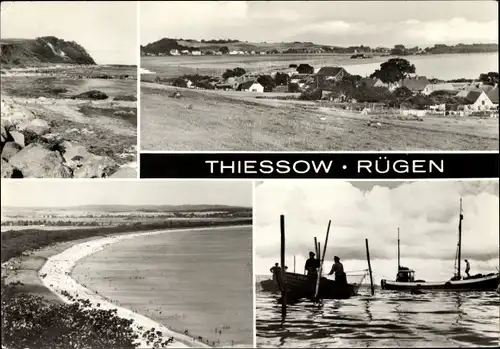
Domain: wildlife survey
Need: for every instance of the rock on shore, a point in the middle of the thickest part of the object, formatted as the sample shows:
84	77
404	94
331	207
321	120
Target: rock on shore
29	149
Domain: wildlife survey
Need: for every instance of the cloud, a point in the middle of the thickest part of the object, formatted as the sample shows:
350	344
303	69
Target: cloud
426	212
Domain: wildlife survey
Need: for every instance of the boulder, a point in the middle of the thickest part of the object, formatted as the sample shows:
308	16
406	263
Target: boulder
74	154
6	169
37	162
9	150
37	126
95	166
51	136
18	137
126	171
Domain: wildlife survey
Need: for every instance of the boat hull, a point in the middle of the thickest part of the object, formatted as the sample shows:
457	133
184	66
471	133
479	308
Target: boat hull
303	286
484	283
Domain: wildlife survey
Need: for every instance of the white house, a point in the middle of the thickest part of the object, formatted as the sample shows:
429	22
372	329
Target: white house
196	53
174	52
437	87
251	86
478	101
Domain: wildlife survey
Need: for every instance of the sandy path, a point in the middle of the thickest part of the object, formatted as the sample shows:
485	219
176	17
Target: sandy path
57	278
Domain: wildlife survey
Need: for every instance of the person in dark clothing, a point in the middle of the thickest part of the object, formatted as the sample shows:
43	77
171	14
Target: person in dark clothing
276	270
338	269
467	268
312	265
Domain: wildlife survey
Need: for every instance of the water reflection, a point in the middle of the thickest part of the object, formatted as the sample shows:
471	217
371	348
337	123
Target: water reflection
386	319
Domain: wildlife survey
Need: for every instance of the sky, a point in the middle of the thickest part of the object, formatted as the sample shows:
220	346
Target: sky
58	193
106	29
427	213
342	23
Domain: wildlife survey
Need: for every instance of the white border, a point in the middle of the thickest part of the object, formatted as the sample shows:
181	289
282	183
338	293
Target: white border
138	91
254	293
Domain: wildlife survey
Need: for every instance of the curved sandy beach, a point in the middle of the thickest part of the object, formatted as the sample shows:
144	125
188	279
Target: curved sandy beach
56	276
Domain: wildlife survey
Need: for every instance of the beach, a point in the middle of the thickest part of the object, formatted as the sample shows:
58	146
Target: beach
56	276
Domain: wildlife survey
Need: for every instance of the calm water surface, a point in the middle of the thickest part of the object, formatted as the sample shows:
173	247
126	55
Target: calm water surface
195	280
389	318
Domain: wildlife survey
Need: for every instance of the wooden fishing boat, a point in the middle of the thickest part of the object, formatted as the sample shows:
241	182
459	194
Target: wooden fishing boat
405	279
303	286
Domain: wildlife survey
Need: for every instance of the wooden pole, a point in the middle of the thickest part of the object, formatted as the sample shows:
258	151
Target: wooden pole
319	252
322	260
294	263
399	256
369	266
460	240
316	246
283	274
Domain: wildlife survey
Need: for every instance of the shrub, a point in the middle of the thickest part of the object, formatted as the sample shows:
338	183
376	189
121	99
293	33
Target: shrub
128	98
293	88
29	322
311	95
93	94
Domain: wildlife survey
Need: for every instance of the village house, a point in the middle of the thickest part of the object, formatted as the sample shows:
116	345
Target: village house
251	86
493	96
185	52
332	73
196	53
372	82
437	87
415	85
478	101
174	52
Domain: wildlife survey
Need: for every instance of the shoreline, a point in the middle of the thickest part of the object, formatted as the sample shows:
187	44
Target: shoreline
55	275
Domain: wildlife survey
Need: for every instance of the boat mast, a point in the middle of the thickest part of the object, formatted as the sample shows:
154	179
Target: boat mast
459	256
399	256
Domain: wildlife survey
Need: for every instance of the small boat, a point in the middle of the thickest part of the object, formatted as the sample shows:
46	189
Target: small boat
405	279
303	286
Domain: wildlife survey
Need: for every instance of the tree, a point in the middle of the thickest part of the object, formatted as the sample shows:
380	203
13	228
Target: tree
281	79
236	72
224	50
490	78
394	70
402	92
398	50
293	88
305	69
178	82
266	81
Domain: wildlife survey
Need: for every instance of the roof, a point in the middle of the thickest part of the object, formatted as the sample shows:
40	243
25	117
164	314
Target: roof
247	84
472	96
330	71
493	95
369	82
415	84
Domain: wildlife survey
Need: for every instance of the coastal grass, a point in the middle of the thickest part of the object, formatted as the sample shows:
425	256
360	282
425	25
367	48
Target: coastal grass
218	121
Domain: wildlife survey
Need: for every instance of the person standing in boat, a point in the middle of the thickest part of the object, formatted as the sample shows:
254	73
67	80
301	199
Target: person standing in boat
312	265
275	270
338	269
467	268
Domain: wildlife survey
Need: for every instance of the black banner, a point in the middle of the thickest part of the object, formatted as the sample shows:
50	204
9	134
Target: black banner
320	165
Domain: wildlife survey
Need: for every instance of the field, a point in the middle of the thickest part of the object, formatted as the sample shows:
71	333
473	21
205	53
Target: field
104	127
221	121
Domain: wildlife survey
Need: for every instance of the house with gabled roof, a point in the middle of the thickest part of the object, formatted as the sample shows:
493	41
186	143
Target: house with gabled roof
416	85
478	101
332	73
368	82
251	86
